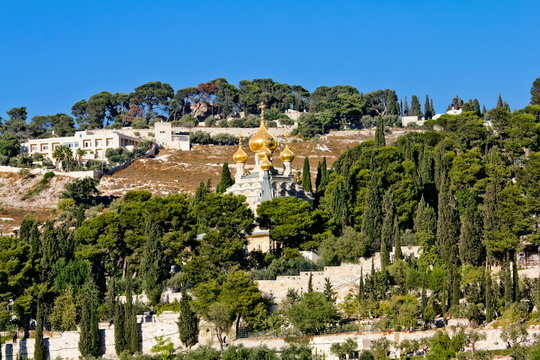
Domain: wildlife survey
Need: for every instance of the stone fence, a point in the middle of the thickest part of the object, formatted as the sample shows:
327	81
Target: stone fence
152	328
39	171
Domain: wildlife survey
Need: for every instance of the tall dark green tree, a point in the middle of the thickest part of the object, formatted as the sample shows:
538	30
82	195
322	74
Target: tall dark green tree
535	92
131	328
328	289
428	111
306	176
489	298
380	140
397	240
372	217
321	179
387	228
51	251
471	248
120	344
188	322
40	351
415	110
226	179
89	341
310	283
447	224
154	263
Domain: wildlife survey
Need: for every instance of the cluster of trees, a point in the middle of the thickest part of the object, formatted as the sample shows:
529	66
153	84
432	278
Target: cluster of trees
467	193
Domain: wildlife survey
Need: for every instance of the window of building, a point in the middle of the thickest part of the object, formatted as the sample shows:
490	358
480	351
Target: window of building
109	142
87	143
44	147
99	142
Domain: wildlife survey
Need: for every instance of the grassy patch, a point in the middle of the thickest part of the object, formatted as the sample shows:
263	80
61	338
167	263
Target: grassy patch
42	184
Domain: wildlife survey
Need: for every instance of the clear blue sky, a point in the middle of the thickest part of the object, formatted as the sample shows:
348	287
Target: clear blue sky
54	53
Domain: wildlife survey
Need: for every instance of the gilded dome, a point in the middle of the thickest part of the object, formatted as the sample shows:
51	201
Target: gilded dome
240	155
286	155
262	137
264	151
265	163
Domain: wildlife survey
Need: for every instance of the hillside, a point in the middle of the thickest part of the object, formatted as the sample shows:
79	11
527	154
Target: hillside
179	171
13	188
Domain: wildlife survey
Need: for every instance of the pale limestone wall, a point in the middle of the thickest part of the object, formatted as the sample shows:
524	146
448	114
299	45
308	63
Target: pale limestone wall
38	171
344	278
244	132
65	345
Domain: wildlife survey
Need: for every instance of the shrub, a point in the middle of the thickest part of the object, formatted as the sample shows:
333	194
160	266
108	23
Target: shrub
224	139
200	137
139	123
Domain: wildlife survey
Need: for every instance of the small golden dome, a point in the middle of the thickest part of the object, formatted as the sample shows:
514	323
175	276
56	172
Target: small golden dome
286	155
264	151
262	137
240	155
265	163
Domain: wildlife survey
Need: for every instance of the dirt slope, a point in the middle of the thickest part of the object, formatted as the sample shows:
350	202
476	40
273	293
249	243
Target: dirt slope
181	171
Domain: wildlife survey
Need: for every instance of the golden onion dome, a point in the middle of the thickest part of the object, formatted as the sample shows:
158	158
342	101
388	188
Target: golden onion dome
286	155
240	155
265	163
264	151
262	137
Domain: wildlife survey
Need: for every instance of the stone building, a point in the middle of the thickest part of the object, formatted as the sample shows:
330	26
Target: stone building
264	182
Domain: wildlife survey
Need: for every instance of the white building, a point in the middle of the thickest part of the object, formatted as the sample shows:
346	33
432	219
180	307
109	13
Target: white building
93	142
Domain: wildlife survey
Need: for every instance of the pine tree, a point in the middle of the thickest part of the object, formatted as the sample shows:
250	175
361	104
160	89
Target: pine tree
447	225
415	107
387	228
153	258
471	248
397	240
372	217
226	179
40	351
328	290
131	327
306	176
120	343
188	322
489	298
380	140
89	341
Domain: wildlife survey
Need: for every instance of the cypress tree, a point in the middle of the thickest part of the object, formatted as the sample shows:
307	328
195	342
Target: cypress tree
328	290
489	298
424	218
471	249
188	322
200	193
120	343
387	228
397	240
427	109
318	177
131	327
500	102
226	179
40	352
153	258
111	298
310	283
29	234
339	204
50	251
392	107
372	217
380	140
538	292
306	176
447	225
507	282
432	108
361	289
455	286
515	280
406	107
89	341
415	107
